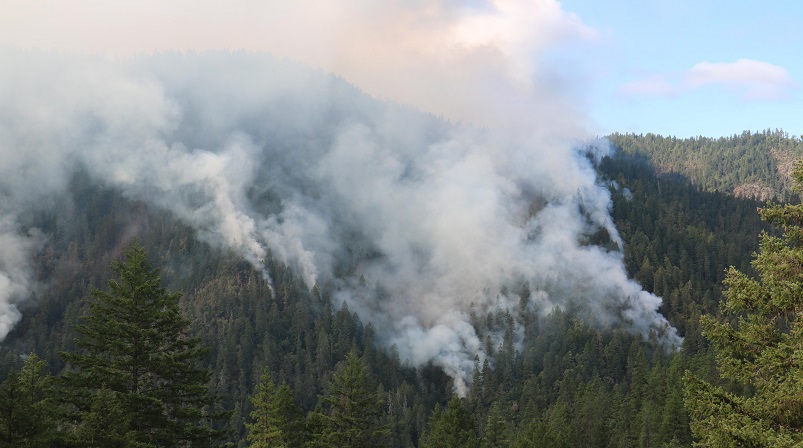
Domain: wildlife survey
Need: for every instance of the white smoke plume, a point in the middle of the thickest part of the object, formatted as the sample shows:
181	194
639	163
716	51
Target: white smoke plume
16	283
422	218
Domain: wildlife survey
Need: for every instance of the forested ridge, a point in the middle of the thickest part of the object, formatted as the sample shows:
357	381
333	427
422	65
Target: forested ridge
571	382
750	164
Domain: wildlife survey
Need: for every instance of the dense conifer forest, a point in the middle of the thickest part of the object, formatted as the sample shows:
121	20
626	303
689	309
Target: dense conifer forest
287	366
751	164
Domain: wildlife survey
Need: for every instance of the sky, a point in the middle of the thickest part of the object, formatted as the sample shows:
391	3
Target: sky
690	68
673	67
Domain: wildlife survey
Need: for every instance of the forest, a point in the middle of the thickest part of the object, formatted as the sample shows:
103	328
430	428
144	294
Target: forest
243	361
751	164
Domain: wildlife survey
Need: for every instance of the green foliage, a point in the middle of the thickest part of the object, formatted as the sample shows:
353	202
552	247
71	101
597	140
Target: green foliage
450	428
574	383
759	343
266	430
748	165
291	417
134	343
107	424
276	418
678	239
498	428
354	414
27	407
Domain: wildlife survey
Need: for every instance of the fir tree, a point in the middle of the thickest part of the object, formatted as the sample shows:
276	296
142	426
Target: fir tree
450	428
498	428
106	425
355	408
266	430
759	344
134	344
27	407
290	417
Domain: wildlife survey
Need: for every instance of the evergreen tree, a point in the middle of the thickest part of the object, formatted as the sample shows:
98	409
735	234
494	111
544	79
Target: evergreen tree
759	344
450	428
134	344
27	407
106	425
576	385
498	428
266	430
290	417
355	405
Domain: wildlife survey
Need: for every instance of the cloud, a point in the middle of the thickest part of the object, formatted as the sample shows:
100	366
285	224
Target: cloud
749	79
753	80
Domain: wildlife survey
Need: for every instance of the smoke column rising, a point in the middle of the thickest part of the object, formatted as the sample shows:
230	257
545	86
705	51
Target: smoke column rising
16	283
426	219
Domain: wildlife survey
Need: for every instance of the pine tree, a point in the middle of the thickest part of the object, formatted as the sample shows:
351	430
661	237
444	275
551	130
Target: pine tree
292	422
27	407
498	428
106	425
759	344
134	343
277	419
266	430
450	428
355	406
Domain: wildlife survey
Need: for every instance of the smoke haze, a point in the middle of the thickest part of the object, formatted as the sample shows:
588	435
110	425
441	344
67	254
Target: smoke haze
479	61
423	219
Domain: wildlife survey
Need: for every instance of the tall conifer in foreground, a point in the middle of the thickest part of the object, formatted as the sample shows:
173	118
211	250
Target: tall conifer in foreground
133	346
355	409
266	430
27	408
759	341
451	427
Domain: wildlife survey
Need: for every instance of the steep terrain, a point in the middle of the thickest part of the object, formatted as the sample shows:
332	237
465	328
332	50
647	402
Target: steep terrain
750	165
677	243
552	287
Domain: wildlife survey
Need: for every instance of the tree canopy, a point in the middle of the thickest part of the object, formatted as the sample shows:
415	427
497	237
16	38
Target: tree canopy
571	383
134	356
759	340
353	417
277	420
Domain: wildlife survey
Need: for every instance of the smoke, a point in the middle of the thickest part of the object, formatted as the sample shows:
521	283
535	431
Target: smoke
16	283
478	61
412	220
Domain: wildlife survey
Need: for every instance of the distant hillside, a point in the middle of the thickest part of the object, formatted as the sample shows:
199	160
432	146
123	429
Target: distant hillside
753	165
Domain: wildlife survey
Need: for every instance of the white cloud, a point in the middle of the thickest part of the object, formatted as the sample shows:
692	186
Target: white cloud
751	79
747	78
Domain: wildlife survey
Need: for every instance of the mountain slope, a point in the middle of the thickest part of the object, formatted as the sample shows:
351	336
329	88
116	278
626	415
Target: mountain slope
751	165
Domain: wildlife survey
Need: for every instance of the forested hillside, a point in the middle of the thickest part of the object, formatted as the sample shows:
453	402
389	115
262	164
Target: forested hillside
751	165
566	380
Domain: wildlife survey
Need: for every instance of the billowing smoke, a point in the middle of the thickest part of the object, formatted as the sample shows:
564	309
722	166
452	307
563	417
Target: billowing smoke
412	220
422	219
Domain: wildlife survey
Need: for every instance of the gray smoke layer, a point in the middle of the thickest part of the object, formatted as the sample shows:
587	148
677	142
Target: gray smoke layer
422	220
